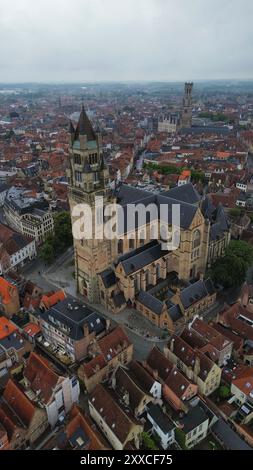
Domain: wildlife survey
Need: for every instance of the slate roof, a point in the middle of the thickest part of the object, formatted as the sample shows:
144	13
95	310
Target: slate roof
193	419
185	193
230	439
150	302
84	127
119	299
4	187
128	195
138	259
175	313
14	341
74	316
194	292
108	277
219	130
161	419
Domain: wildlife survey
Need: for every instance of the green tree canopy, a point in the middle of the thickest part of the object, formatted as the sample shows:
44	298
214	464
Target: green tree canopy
46	252
230	271
241	250
61	240
148	442
224	391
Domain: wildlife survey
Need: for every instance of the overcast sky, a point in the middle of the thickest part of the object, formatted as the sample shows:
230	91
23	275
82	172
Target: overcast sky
93	40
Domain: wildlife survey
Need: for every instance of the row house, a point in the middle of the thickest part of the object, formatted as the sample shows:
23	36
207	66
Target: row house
13	346
119	426
105	355
130	394
53	392
196	365
177	390
18	248
221	345
9	298
79	433
23	420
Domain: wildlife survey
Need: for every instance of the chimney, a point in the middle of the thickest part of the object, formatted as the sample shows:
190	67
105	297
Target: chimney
126	398
197	365
172	344
85	330
155	374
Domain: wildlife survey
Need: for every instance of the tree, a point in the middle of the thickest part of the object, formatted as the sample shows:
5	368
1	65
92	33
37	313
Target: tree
197	176
46	252
180	438
228	272
63	230
235	212
241	250
224	392
61	240
148	442
231	270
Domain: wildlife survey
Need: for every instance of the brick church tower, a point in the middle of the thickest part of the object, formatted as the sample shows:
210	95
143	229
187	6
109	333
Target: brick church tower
186	117
88	180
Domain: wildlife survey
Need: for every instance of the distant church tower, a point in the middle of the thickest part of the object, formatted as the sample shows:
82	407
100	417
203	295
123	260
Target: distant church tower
186	119
88	179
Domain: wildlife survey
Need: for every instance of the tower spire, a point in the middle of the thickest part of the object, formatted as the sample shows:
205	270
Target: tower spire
84	126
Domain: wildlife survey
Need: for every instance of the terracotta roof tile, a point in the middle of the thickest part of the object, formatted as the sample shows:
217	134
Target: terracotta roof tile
41	376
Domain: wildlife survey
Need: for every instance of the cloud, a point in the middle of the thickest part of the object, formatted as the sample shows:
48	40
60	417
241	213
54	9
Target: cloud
87	40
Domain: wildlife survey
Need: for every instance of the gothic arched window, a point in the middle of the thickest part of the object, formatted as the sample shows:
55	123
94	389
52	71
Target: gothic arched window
120	246
196	239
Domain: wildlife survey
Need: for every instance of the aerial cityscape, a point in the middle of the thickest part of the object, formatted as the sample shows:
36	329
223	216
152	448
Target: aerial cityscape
126	253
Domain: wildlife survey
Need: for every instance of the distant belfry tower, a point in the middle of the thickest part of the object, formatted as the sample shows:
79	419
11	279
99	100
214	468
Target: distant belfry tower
186	119
88	180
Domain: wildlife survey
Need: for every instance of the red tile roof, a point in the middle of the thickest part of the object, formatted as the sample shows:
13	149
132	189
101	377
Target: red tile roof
118	421
79	420
41	376
6	327
32	329
5	290
19	403
50	300
113	342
